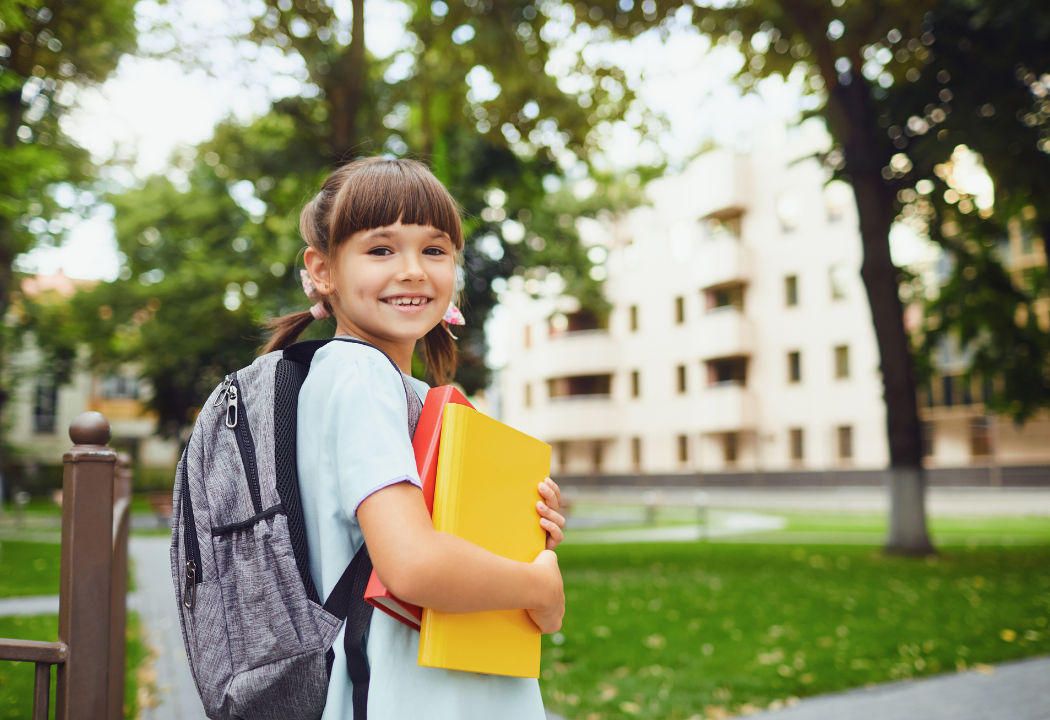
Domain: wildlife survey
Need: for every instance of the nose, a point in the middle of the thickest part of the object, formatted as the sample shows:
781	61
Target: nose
411	268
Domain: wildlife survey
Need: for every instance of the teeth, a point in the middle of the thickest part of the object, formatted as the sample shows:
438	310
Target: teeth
408	301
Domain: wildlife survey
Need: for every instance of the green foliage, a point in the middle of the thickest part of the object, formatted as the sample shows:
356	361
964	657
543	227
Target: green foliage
673	631
171	309
981	88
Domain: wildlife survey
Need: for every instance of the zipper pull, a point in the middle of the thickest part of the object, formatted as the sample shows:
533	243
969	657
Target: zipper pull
189	593
225	386
232	409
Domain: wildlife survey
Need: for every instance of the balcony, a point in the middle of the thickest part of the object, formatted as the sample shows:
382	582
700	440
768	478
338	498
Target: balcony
726	407
721	262
724	332
572	353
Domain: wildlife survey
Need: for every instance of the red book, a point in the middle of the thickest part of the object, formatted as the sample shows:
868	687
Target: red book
426	443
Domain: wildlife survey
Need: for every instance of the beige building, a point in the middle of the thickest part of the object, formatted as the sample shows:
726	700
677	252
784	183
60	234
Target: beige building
739	337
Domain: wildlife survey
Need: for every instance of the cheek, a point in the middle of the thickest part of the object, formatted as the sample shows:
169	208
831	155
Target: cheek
444	279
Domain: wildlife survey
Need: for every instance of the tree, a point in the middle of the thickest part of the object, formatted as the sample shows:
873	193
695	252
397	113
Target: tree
982	89
46	52
475	104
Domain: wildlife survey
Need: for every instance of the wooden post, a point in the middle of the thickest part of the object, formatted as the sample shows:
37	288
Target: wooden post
84	613
119	585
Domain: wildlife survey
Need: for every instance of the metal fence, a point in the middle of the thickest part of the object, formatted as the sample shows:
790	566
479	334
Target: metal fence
89	654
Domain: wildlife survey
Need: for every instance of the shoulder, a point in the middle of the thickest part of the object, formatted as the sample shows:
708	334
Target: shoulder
358	360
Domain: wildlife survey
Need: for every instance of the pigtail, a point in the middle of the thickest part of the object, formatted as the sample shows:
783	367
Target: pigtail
440	354
286	329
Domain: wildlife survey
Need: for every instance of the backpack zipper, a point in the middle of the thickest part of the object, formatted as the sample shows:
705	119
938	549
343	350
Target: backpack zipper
237	420
189	532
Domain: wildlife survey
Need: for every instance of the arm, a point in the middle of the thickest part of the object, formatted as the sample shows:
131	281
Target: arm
443	572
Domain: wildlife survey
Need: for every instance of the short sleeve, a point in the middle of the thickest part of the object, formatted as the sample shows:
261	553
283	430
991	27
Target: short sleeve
366	428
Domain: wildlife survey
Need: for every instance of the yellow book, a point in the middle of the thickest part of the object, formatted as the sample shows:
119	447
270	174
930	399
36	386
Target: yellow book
486	493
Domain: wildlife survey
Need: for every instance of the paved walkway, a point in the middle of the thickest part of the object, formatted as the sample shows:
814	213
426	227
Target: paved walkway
939	501
176	693
1013	691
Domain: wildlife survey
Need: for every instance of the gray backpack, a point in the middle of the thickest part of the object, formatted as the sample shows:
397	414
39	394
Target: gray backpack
257	635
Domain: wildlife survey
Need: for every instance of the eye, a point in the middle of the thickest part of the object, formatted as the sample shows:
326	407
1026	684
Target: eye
434	250
380	251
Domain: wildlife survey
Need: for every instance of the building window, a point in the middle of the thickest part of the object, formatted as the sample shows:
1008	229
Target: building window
528	395
45	404
681	378
947	391
729	296
795	366
528	336
679	310
980	437
791	290
797	448
634	318
580	321
788	211
845	433
636	384
727	371
727	227
636	452
597	457
927	438
563	456
118	387
683	448
579	386
842	362
838	281
730	447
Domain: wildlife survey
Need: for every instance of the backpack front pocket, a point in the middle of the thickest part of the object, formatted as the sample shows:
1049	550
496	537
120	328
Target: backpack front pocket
259	577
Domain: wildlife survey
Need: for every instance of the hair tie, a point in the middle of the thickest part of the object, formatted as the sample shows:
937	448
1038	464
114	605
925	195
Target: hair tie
319	311
452	317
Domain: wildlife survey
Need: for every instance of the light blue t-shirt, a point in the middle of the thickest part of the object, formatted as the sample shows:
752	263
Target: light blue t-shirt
352	441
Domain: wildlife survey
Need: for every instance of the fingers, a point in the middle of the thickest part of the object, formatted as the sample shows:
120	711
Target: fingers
554	533
551	493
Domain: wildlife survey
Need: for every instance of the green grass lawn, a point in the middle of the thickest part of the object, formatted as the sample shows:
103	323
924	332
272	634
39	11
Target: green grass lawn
16	679
28	569
699	630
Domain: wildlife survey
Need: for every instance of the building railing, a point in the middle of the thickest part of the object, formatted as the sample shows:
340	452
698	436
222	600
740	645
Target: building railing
90	652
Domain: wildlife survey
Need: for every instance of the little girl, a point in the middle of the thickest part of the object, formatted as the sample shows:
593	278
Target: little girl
382	238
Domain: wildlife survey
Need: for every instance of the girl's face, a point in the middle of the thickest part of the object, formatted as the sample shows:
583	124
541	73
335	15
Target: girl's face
389	285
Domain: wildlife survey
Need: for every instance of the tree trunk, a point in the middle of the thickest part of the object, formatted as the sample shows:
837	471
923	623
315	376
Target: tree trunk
347	88
864	162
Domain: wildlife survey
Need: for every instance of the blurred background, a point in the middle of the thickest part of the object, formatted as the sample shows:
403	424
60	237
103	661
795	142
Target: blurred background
770	277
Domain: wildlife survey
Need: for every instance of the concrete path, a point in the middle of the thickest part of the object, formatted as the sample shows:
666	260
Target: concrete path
939	501
176	693
1012	691
29	605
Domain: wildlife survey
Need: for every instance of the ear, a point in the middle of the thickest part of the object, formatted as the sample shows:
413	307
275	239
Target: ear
320	272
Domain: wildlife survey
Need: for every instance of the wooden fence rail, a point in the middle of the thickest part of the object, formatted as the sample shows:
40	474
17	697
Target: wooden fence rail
89	654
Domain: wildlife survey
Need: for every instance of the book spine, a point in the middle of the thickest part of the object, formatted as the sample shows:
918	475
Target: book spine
446	499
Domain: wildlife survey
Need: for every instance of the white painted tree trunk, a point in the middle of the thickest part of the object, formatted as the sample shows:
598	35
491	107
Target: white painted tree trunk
907	494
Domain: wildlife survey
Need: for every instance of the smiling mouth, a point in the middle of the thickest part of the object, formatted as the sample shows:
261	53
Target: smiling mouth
406	302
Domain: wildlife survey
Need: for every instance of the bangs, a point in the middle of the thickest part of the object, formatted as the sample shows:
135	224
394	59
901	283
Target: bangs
376	192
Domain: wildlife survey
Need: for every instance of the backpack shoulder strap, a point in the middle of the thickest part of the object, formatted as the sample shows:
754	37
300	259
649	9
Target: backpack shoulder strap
347	597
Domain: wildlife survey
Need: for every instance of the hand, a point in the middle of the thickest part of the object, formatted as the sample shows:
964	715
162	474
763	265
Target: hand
548	618
547	509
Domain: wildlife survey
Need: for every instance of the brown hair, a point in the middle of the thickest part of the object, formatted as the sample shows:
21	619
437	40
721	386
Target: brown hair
371	193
